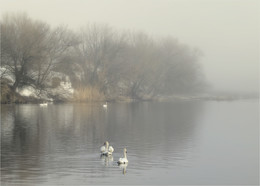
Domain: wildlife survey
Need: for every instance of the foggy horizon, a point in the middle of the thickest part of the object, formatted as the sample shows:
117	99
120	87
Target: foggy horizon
227	32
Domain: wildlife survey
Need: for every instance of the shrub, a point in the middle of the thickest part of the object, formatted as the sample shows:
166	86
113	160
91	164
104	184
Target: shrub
88	94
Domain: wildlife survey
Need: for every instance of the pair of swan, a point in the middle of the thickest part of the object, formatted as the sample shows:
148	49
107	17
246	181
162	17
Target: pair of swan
108	150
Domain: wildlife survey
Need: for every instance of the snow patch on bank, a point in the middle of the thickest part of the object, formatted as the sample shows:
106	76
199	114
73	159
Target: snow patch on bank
5	73
28	91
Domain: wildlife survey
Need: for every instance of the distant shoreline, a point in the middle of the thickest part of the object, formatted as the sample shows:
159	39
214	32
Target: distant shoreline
8	96
173	98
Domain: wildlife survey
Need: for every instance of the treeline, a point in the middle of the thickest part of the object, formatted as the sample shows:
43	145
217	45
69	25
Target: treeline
97	58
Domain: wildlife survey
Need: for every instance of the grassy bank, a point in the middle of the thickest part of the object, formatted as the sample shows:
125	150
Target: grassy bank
88	94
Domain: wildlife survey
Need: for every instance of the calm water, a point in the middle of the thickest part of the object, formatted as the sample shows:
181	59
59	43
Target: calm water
168	143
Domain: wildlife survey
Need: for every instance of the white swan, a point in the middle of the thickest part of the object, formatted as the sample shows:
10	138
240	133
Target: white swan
123	160
106	149
103	148
105	105
110	149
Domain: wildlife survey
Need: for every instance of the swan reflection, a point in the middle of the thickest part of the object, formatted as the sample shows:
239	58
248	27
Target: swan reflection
123	167
107	160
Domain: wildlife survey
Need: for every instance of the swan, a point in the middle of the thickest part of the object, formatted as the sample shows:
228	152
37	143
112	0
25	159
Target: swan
103	148
110	149
105	105
106	149
123	160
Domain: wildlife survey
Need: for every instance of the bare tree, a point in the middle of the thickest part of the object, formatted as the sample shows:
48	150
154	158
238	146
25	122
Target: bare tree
21	46
98	48
30	49
57	43
181	69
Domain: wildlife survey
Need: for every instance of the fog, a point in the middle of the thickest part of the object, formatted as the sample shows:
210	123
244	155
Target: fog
226	31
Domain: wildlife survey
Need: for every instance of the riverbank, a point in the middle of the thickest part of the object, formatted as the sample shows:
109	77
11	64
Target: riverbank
65	93
15	98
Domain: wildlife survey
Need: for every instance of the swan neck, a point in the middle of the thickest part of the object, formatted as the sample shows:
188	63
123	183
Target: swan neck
124	154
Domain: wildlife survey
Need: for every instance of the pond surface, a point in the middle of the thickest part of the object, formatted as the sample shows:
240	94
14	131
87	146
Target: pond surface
193	142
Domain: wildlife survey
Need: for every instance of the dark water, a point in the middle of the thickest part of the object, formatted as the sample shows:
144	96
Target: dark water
168	143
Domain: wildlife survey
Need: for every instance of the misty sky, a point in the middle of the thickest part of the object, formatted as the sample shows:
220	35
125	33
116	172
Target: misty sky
227	31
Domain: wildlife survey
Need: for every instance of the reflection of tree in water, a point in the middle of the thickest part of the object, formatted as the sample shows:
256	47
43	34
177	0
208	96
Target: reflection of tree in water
7	120
156	130
47	139
21	149
31	135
